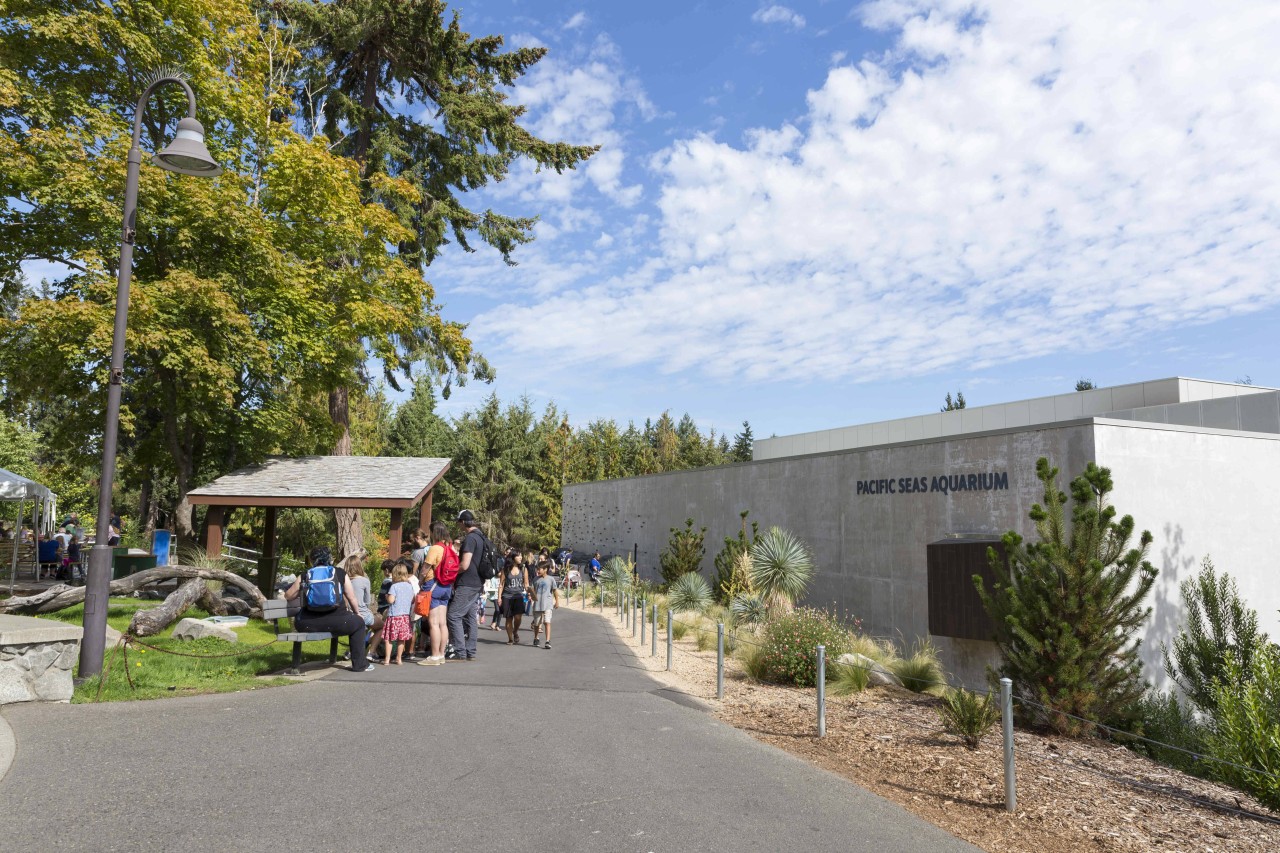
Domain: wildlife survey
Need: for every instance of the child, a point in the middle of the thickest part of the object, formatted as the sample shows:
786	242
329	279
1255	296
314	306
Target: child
397	630
381	616
491	589
546	598
417	640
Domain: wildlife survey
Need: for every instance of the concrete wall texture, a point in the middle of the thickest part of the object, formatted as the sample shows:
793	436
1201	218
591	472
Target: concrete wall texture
1199	492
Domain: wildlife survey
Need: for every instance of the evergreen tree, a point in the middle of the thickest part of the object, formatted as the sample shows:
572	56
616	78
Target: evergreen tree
416	429
1085	385
954	405
1066	608
727	560
683	553
743	444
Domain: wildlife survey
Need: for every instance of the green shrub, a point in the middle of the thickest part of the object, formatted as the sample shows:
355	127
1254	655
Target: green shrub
730	579
791	641
706	638
781	568
847	679
690	593
968	715
683	553
678	628
1163	718
1218	623
880	651
748	610
920	672
1246	726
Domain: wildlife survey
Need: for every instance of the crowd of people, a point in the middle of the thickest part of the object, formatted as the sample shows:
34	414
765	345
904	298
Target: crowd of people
434	598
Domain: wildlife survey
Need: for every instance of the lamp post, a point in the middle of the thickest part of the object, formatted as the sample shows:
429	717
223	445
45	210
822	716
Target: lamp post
187	155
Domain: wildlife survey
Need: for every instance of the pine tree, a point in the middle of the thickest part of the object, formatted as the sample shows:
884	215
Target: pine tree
954	405
1066	608
683	553
728	559
743	444
1085	385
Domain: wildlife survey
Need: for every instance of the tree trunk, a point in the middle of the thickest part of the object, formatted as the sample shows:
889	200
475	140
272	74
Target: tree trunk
211	602
350	527
62	596
148	623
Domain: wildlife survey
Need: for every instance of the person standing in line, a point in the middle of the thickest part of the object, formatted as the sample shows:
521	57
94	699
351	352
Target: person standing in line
463	625
492	589
546	598
397	632
439	563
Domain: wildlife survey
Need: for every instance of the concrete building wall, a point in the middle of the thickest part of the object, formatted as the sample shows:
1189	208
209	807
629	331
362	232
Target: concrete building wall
870	548
1200	493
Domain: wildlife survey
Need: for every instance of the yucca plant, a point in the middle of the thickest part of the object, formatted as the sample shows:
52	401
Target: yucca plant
616	574
920	672
689	593
967	715
748	610
781	568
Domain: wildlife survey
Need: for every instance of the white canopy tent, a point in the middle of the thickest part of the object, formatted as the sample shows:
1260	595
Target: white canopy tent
44	509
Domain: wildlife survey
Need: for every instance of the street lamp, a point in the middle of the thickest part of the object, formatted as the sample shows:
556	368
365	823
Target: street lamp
187	155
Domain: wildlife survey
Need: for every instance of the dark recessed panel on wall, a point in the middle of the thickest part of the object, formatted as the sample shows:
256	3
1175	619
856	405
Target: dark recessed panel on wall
955	610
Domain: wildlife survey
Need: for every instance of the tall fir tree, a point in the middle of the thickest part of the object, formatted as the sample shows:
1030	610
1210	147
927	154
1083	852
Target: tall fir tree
1066	608
743	444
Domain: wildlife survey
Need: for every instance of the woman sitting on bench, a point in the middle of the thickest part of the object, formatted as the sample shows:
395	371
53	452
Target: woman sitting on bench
342	621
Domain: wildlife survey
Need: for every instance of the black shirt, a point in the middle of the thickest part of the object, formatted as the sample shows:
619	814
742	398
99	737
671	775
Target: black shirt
473	544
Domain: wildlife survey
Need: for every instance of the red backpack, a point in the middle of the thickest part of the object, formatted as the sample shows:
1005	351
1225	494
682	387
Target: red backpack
447	571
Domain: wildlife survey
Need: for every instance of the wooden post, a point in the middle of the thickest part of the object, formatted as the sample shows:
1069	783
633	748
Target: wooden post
268	566
397	523
425	514
213	531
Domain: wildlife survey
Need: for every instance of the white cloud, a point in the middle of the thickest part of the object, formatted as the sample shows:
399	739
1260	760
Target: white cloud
779	15
576	21
1008	181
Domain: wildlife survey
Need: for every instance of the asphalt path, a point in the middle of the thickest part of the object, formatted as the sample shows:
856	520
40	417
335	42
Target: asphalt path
574	748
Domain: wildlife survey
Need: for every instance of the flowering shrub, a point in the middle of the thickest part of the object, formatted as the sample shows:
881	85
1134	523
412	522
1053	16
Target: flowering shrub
790	646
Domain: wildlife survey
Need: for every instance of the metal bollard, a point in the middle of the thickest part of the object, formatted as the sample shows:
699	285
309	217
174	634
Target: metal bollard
642	621
631	614
653	634
822	691
1010	776
669	649
719	660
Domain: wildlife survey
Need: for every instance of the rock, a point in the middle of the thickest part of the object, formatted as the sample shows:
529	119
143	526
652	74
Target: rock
113	637
237	606
194	629
879	675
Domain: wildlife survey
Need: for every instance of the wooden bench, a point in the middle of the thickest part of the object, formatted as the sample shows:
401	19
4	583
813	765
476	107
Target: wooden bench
276	609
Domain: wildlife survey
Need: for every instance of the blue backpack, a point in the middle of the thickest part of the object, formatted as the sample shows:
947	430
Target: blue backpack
321	592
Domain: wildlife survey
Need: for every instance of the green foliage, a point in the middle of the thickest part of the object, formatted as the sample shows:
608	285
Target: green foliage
1085	385
968	716
690	593
920	671
1165	720
683	553
752	656
791	643
743	445
679	628
781	568
731	579
1246	725
1217	624
617	573
1066	608
954	405
847	679
748	610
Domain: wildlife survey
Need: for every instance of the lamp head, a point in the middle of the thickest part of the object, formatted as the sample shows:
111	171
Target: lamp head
186	154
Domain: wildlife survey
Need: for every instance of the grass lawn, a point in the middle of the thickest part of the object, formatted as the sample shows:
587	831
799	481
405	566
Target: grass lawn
156	675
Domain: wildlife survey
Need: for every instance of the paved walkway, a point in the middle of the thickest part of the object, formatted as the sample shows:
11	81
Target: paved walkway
569	749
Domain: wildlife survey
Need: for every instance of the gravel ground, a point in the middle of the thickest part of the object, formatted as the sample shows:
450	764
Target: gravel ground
1073	795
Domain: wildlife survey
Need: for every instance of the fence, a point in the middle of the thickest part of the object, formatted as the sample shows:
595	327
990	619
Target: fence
631	610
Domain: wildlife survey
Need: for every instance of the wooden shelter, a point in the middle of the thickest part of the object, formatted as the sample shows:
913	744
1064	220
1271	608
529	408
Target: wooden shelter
396	483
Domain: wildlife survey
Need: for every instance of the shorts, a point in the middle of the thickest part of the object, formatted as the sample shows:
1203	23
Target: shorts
513	607
541	617
368	619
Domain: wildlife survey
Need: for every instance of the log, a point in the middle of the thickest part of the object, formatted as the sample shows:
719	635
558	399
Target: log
148	623
211	602
62	596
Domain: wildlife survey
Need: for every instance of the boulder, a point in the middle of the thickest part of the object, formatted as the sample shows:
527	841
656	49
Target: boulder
879	675
237	606
194	629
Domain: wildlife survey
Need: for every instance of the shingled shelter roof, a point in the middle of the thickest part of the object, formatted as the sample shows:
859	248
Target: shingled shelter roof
389	482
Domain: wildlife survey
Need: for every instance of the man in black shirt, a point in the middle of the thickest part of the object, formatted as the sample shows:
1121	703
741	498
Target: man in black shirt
464	624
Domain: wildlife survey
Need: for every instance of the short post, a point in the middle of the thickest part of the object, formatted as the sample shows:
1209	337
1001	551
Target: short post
631	614
1006	715
822	691
653	634
669	649
642	622
719	660
600	589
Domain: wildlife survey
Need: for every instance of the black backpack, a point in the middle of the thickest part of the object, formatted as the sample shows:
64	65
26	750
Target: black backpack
488	567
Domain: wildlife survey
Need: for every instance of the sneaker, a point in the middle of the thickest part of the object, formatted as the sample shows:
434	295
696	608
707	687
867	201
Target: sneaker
430	662
471	659
546	645
535	642
368	668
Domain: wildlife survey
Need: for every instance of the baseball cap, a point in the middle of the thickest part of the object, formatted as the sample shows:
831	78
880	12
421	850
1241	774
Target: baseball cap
467	516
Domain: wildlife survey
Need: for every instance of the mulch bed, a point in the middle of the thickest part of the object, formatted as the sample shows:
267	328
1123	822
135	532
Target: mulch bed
1073	794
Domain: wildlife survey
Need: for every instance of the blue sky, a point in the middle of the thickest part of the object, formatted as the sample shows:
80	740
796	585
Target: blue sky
826	213
823	213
